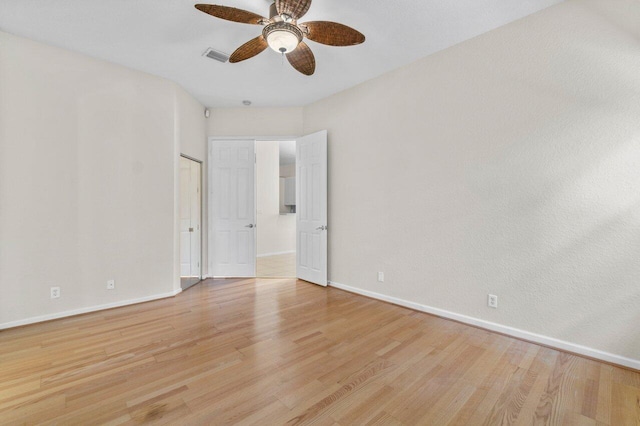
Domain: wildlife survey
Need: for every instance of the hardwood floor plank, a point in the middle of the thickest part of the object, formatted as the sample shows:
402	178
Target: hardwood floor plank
35	410
271	352
527	415
350	386
603	411
16	387
384	419
443	411
268	415
626	405
508	406
366	408
292	396
480	405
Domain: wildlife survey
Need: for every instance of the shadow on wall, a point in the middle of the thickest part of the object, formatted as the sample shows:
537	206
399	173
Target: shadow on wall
577	202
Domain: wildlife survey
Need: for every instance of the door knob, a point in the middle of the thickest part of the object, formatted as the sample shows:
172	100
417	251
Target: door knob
250	226
321	228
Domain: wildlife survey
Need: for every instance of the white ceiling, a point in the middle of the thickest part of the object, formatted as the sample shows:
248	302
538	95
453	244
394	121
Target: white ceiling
167	38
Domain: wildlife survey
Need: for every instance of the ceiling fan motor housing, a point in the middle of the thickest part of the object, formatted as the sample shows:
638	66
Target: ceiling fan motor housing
273	11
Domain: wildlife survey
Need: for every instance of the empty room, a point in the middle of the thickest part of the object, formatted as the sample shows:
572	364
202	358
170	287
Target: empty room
262	212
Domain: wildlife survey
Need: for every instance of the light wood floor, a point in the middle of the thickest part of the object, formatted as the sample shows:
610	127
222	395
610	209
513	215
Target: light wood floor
271	352
278	266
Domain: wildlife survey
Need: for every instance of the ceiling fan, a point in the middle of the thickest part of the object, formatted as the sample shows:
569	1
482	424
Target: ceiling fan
284	34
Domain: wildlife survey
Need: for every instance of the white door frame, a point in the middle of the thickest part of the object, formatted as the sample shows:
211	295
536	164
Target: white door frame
243	138
201	276
254	138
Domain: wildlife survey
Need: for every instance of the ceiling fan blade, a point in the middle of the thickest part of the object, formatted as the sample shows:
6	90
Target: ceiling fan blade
296	9
249	49
231	14
332	33
302	59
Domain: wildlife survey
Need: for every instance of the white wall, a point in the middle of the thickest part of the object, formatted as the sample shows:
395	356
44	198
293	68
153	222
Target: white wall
276	233
250	121
87	163
286	171
508	164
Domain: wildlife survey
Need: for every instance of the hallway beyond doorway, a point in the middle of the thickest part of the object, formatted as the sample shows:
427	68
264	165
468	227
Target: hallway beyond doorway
277	266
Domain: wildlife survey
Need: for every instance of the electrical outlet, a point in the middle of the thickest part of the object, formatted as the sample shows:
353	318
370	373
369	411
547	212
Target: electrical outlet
55	292
492	301
111	284
381	277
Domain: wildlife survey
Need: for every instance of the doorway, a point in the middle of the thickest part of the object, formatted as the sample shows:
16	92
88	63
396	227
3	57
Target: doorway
190	222
232	208
276	209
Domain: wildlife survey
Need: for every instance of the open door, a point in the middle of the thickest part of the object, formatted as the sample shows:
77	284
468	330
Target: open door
311	208
232	211
190	208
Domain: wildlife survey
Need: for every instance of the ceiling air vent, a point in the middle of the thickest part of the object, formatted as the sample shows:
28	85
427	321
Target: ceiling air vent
214	54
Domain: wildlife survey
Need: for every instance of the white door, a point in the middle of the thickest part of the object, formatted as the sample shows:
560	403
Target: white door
311	208
190	208
196	211
232	213
185	219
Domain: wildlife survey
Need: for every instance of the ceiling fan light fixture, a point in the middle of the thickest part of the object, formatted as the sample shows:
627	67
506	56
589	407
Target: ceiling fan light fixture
282	41
282	37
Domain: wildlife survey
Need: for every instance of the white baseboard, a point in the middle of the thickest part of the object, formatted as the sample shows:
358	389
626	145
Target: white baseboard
276	253
88	309
499	328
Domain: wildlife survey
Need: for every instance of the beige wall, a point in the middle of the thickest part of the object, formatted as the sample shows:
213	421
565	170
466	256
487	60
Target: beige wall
87	159
276	232
508	164
288	170
255	122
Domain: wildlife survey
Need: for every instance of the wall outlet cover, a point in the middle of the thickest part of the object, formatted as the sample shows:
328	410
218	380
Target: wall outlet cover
492	301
